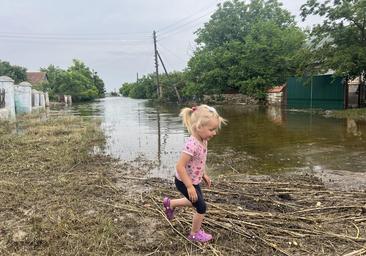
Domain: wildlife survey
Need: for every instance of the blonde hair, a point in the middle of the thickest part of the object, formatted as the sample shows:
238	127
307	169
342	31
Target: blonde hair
199	116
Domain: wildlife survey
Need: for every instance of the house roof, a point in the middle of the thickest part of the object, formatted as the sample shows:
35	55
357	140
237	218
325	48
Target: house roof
277	89
36	77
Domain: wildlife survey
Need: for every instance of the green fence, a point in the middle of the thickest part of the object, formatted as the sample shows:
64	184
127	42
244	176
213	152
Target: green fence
324	92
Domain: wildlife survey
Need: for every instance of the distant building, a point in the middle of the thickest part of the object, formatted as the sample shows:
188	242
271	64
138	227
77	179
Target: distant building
36	78
320	91
277	95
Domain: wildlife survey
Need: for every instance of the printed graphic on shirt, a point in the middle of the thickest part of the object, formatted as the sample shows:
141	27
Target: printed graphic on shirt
196	165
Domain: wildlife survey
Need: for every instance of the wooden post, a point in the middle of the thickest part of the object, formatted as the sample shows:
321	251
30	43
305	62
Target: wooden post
158	88
166	72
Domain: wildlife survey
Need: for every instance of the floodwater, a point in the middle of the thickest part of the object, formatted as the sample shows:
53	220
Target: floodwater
257	140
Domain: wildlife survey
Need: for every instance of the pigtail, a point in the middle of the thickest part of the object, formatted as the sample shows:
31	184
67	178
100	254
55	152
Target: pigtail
186	113
197	116
222	121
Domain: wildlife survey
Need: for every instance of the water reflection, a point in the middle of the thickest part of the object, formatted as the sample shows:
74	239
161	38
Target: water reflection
87	109
256	140
135	128
353	128
276	114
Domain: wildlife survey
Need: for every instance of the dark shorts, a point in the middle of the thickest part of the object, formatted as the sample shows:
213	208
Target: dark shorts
200	204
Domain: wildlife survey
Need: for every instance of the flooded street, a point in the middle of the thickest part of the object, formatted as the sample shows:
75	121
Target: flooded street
257	140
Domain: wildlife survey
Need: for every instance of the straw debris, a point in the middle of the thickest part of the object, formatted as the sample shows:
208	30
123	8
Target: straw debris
59	196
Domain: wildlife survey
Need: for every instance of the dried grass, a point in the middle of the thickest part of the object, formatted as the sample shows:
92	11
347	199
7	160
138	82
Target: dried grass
57	198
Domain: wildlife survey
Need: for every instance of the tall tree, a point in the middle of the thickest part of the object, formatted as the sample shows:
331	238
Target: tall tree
56	77
246	48
339	42
98	83
233	20
78	81
81	85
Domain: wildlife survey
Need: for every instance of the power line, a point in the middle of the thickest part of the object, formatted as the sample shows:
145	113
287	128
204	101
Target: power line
179	31
11	33
184	19
34	37
170	51
189	23
107	37
121	38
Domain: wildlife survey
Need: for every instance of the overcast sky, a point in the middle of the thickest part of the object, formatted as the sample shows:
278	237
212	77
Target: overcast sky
113	37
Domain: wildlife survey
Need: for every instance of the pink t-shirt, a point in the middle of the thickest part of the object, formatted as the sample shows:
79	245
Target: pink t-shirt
196	165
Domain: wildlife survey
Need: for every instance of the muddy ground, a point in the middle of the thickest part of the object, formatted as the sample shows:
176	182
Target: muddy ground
58	196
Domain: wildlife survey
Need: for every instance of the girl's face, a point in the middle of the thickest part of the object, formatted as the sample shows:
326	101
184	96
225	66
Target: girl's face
209	130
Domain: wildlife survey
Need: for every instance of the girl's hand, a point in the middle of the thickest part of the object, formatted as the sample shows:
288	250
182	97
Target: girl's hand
192	194
207	180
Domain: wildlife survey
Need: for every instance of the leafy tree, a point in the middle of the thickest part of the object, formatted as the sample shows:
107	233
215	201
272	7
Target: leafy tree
99	84
138	91
55	77
17	73
145	87
148	82
125	89
78	81
172	82
233	21
339	42
246	48
243	48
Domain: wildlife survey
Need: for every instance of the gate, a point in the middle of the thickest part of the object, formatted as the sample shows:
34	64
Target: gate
324	91
2	98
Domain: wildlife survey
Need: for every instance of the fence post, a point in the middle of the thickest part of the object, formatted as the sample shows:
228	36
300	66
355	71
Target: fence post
47	99
2	98
42	101
35	95
8	84
23	98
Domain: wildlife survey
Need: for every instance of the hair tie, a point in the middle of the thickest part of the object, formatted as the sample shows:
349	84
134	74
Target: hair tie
211	109
194	109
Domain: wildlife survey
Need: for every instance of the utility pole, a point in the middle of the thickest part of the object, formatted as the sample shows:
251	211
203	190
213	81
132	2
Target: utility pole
166	72
137	77
158	88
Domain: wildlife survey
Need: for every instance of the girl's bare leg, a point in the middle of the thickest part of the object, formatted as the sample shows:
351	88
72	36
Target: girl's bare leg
197	222
180	202
197	217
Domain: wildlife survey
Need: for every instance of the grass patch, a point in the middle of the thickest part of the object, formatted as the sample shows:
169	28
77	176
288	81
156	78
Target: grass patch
50	186
58	198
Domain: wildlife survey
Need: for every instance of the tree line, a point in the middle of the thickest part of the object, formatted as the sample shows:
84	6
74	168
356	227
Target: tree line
78	80
249	47
17	73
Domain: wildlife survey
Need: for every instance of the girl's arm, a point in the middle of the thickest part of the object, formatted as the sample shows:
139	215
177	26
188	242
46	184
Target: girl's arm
207	179
181	169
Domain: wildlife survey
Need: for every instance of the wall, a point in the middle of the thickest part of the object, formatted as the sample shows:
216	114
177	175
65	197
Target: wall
276	98
23	98
42	102
324	92
35	95
20	98
8	84
229	99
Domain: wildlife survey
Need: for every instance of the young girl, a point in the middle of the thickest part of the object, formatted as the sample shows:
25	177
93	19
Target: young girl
202	123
